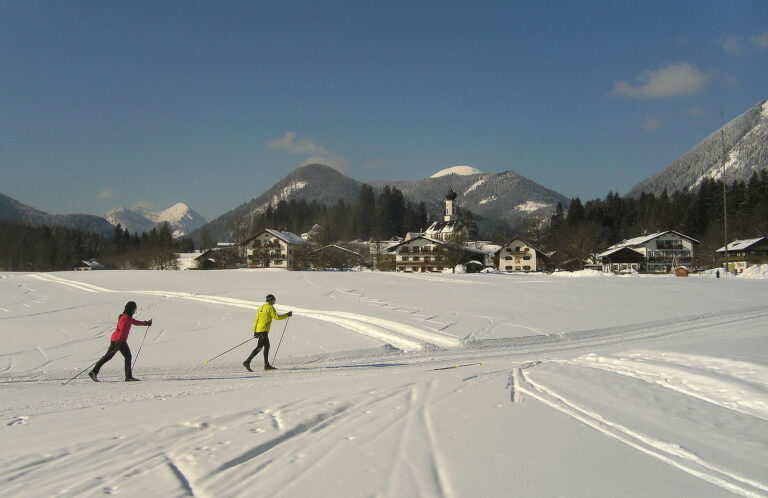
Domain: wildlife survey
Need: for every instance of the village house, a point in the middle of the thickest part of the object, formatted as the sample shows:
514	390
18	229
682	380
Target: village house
519	255
661	251
739	255
275	249
87	265
621	260
420	254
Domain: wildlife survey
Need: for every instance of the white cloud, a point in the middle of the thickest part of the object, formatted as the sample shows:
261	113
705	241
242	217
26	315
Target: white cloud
652	124
672	81
145	205
695	112
731	45
305	146
760	42
104	194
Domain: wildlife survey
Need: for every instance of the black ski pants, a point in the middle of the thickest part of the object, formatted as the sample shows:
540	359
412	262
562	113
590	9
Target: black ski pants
263	343
114	347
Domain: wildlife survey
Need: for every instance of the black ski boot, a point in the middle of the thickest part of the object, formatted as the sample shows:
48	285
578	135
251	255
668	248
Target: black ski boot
93	376
267	366
132	379
247	365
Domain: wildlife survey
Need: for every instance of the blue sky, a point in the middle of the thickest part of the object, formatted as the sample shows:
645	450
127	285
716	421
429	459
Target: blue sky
210	103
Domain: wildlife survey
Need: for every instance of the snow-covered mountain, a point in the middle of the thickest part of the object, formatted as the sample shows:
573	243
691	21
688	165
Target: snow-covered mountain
458	170
506	195
746	151
129	220
180	217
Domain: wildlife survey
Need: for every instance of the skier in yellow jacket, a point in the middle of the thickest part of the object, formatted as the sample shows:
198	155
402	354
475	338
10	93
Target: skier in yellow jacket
261	331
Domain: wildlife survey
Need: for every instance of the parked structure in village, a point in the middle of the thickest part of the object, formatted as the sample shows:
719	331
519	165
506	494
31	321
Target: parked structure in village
739	255
519	255
661	251
275	249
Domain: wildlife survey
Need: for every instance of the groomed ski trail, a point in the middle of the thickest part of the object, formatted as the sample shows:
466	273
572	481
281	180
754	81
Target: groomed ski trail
406	338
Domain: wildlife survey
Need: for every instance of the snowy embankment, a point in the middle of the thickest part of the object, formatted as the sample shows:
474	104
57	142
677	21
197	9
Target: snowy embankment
630	386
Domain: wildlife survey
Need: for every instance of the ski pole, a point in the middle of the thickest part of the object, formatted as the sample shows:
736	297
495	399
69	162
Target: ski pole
281	339
140	345
228	350
79	374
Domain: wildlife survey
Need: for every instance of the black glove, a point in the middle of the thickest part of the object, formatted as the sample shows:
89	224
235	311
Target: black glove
290	313
149	322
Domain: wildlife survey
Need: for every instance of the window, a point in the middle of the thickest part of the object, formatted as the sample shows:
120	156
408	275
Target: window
527	258
405	258
527	268
517	267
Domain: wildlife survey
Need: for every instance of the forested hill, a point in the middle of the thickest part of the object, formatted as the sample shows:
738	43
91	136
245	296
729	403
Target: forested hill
13	210
746	152
314	182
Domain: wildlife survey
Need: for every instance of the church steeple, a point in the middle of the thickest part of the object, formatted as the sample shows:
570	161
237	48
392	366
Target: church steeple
450	212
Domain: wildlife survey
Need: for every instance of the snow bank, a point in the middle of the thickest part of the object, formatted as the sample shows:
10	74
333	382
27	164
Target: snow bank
756	271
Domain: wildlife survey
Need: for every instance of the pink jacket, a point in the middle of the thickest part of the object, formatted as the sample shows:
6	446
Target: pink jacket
124	327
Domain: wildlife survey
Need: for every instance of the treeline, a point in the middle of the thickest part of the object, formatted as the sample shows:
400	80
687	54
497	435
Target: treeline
597	224
30	247
369	217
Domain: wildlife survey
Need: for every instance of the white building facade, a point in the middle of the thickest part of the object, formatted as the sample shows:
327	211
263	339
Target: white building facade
421	255
274	249
519	255
662	251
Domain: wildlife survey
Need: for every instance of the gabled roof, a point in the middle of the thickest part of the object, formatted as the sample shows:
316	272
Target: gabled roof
647	238
538	250
428	239
622	248
334	246
290	238
740	245
92	264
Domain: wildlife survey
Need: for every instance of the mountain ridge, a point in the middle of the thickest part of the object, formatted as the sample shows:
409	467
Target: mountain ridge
746	151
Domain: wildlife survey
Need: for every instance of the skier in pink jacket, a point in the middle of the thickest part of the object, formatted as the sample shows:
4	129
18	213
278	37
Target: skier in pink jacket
119	342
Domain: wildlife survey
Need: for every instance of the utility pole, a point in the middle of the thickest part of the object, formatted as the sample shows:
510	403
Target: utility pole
725	197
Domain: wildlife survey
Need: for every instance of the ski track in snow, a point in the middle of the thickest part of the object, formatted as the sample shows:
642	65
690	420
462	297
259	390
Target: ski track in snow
667	452
400	336
736	385
289	443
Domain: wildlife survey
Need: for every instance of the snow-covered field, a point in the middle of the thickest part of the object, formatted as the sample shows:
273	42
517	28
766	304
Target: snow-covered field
595	386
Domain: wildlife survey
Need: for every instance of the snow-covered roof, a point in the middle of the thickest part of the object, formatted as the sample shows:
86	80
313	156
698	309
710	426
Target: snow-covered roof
288	237
525	242
637	241
337	247
740	245
421	237
617	249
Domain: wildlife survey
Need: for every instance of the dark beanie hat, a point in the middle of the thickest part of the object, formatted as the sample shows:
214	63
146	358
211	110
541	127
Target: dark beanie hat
270	297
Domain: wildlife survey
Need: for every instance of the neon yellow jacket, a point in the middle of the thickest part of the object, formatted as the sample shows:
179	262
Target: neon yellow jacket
264	318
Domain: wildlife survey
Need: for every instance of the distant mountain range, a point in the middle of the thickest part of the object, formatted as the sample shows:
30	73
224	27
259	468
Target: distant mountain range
505	195
746	151
180	217
11	209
